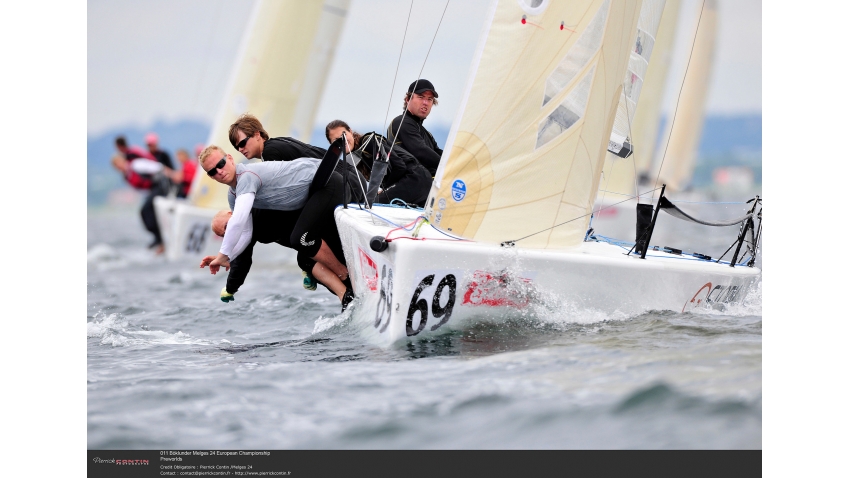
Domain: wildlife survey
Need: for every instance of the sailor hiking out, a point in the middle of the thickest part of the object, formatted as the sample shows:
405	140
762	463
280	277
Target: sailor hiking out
283	186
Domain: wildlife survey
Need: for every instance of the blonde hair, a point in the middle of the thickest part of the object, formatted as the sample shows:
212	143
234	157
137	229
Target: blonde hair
208	151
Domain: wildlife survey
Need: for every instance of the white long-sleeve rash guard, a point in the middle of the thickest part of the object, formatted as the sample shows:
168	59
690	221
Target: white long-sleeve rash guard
240	227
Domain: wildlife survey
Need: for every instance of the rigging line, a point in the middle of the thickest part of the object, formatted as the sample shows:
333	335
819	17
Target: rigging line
631	137
681	88
418	77
396	67
677	201
576	218
357	175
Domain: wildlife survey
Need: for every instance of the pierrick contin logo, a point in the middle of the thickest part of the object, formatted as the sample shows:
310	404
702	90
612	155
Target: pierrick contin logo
113	461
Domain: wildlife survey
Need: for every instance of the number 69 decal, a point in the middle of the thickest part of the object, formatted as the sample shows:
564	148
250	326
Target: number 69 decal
384	311
438	311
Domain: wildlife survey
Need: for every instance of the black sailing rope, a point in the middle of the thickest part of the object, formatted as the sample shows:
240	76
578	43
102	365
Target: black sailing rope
676	110
512	242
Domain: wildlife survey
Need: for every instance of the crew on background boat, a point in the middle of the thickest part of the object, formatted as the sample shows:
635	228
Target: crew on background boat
405	178
183	177
412	136
144	171
284	186
267	226
249	138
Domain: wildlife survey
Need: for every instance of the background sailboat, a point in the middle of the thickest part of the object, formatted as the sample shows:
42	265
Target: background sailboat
625	178
279	77
620	174
677	165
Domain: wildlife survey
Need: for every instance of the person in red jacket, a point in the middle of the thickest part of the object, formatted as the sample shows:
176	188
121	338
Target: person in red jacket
142	171
183	177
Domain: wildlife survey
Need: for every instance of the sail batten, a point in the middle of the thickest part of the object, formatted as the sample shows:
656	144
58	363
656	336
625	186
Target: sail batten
514	166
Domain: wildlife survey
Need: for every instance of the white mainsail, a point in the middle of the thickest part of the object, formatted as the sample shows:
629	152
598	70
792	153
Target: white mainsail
527	148
685	132
279	77
619	175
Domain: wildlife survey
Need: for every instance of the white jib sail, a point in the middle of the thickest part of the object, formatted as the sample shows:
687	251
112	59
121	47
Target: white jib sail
619	176
647	29
527	148
279	76
682	136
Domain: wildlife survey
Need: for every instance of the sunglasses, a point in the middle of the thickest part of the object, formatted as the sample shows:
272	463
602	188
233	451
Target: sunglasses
242	143
212	172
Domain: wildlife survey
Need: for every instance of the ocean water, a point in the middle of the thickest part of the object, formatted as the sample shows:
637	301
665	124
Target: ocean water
171	367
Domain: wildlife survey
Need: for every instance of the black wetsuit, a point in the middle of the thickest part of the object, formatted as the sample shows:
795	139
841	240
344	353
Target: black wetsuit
270	226
405	178
317	222
416	140
287	149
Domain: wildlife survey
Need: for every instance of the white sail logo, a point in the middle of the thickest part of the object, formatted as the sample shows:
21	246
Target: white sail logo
458	190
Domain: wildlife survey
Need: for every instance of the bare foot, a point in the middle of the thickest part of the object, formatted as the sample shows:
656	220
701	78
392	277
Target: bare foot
159	249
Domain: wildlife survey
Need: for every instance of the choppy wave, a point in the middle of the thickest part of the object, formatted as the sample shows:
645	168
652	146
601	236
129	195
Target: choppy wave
115	330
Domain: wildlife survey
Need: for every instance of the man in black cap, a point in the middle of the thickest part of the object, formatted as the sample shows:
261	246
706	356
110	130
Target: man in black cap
407	131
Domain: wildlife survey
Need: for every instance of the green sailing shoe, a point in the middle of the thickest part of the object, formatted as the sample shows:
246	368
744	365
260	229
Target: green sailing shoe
309	282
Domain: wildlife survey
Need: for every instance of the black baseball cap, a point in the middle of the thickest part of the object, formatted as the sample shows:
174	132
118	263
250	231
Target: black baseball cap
422	86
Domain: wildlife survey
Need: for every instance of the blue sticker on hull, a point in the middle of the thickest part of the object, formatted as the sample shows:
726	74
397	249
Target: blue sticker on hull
458	190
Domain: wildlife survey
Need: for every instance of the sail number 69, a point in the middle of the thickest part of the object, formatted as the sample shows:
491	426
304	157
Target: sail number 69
438	311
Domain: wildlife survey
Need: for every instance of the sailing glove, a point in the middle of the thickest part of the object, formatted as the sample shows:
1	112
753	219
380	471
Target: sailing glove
226	296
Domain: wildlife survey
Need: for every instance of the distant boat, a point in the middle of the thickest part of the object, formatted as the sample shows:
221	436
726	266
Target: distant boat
279	77
504	227
678	147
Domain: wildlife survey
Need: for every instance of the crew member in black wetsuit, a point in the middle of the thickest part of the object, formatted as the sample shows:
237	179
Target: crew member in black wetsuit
405	178
304	184
412	136
249	138
269	226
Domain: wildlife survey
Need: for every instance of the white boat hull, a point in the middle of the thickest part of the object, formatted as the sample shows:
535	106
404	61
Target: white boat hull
418	287
185	229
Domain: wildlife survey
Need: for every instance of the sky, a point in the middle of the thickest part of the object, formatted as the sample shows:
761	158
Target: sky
170	60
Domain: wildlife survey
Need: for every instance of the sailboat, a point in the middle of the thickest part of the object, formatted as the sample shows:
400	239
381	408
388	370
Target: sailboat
504	228
279	77
682	137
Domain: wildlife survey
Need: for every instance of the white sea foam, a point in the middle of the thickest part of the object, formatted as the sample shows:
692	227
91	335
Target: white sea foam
117	331
324	324
105	257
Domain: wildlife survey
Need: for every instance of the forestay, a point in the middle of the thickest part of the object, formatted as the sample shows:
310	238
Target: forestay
527	148
279	77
